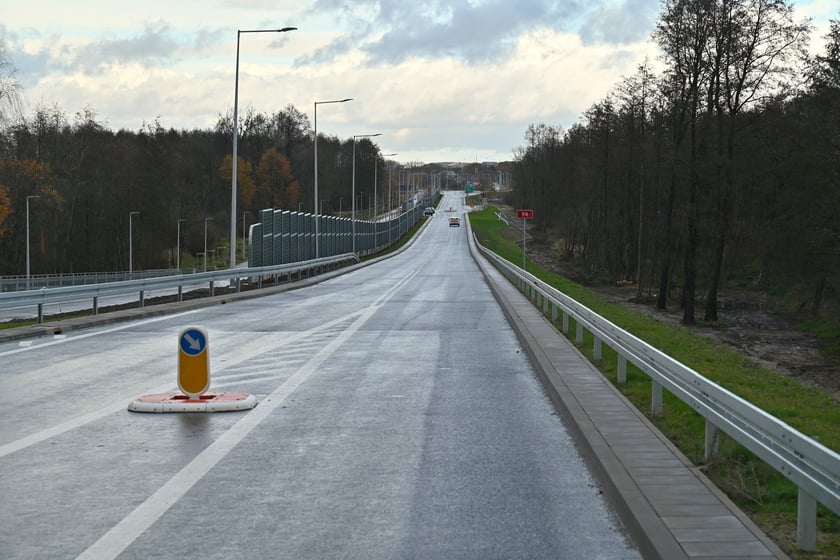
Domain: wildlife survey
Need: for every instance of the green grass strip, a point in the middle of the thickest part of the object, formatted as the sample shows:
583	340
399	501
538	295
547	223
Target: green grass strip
752	484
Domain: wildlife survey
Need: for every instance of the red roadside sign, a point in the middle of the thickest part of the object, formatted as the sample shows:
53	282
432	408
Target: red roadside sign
525	214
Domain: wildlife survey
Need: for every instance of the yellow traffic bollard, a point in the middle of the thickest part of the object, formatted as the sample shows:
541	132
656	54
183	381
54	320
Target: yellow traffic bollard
193	362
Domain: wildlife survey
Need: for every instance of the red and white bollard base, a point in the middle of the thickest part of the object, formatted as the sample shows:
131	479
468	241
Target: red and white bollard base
208	402
193	381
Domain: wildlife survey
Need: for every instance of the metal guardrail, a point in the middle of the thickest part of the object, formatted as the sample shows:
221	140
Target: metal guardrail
38	281
812	467
43	296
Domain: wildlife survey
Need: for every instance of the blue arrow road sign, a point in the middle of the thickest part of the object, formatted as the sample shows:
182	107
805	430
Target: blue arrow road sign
193	342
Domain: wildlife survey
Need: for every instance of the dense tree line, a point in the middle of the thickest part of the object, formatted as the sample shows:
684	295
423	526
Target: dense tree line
721	168
88	179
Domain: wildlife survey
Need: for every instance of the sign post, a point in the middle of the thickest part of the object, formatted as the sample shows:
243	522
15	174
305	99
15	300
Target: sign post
525	215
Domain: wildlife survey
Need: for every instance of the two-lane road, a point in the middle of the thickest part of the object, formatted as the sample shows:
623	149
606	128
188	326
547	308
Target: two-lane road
398	418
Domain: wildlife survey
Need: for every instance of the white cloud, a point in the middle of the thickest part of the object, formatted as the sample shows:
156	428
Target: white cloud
440	80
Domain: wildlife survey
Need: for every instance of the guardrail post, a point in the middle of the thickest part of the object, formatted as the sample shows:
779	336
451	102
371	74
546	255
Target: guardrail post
578	332
596	349
40	313
565	323
712	440
96	305
806	521
212	289
655	397
622	369
545	305
142	298
180	293
553	313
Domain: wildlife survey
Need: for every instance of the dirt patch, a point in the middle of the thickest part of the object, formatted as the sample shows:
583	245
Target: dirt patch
749	322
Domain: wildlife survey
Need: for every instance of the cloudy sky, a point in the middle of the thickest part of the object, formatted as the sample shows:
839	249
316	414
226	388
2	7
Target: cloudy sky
456	80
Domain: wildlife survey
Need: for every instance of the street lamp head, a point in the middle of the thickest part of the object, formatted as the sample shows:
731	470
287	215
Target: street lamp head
282	30
332	101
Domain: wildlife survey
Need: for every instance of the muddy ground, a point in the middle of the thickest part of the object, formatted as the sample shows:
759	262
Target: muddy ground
752	323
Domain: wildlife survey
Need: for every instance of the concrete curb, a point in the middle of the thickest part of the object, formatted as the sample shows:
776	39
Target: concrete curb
633	503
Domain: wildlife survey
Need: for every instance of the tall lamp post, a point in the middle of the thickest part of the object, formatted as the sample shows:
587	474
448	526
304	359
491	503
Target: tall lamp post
353	212
239	32
28	198
205	242
389	182
130	243
390	167
178	253
375	200
315	144
243	235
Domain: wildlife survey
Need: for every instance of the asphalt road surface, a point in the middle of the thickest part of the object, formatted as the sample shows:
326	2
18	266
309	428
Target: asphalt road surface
398	417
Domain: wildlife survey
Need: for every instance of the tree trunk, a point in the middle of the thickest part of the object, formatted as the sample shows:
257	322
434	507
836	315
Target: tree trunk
711	295
818	293
665	272
690	272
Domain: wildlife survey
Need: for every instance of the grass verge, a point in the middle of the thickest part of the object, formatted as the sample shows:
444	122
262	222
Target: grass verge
752	484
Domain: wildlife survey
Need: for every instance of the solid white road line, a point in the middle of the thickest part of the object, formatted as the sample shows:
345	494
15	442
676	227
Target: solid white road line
112	543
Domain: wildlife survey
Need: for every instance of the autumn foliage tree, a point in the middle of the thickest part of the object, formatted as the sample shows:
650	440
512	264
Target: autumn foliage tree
245	187
275	186
20	179
5	208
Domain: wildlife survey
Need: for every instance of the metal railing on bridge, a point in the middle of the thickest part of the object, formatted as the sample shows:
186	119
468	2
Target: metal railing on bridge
235	277
38	281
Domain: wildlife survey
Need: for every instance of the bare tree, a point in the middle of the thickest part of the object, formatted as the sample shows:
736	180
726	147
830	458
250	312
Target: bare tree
754	42
683	33
10	90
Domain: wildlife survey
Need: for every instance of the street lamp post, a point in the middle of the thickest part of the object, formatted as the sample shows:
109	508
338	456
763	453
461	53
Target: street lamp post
178	253
315	143
130	243
243	235
353	212
390	186
235	139
205	242
28	198
375	181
